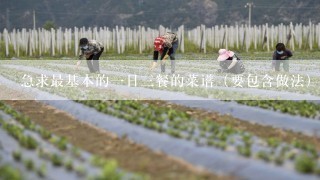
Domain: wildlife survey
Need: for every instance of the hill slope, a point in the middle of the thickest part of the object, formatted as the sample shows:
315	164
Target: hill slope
154	12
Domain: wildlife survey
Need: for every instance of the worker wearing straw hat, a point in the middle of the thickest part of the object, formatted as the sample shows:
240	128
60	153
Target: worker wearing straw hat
229	62
91	50
165	45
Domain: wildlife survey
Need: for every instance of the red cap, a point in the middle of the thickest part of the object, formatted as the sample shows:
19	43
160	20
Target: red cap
158	43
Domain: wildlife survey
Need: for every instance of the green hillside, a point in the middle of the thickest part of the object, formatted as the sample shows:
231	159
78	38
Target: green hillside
154	12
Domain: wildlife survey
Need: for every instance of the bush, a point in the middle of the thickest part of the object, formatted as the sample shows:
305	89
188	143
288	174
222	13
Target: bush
305	164
7	172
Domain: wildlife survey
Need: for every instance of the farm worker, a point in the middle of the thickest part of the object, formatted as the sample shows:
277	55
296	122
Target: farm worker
229	62
92	51
165	45
281	55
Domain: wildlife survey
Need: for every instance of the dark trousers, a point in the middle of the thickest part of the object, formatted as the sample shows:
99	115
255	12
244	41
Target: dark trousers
93	62
171	53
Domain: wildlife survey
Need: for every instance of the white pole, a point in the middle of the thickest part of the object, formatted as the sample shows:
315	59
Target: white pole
34	19
53	42
76	40
267	36
249	6
6	39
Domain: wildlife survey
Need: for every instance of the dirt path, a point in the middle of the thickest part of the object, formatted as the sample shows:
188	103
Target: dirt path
130	156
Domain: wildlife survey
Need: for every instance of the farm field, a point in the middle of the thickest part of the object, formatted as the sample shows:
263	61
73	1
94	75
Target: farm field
129	122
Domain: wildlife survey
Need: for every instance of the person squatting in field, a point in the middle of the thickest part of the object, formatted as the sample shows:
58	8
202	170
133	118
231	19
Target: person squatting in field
229	62
91	50
281	56
163	45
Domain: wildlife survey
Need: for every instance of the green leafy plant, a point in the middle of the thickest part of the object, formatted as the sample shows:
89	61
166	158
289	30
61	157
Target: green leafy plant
69	165
76	152
109	171
9	173
62	144
263	155
28	142
272	142
284	150
303	108
244	150
29	164
25	141
305	164
174	133
246	138
291	155
80	170
56	160
16	155
98	161
279	160
222	145
42	171
44	133
44	154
